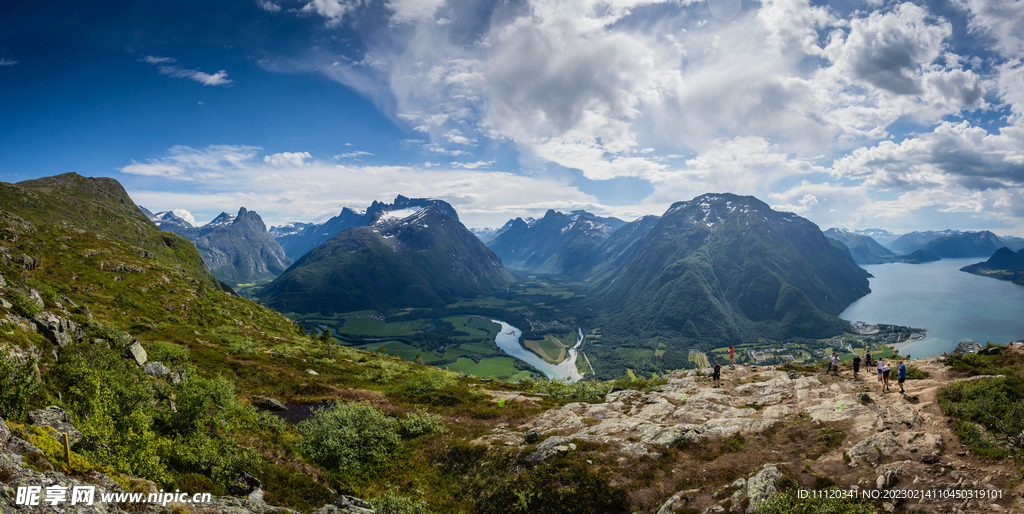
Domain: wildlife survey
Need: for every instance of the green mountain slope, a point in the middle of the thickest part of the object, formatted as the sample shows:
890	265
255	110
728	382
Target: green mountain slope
723	268
425	259
1004	264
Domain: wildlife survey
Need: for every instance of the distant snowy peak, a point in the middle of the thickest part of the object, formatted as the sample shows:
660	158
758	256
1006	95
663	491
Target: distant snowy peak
289	229
221	220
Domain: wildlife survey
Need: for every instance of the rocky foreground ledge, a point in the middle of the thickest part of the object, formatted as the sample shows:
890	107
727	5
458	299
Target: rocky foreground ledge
888	441
892	440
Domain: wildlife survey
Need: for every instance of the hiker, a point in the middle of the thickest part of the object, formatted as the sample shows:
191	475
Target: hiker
903	376
717	375
867	358
856	364
879	364
829	369
732	357
885	378
835	364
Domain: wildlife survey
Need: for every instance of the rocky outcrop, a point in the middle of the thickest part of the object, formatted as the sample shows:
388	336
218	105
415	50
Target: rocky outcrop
58	330
247	486
59	420
5	433
761	486
267	403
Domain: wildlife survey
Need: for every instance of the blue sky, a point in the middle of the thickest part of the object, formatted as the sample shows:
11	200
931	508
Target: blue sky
899	115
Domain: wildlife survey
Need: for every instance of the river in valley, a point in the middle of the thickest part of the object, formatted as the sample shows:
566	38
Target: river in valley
953	305
508	340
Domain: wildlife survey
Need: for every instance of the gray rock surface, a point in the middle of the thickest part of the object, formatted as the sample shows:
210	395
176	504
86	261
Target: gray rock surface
156	369
5	433
136	352
267	403
58	330
874	449
761	486
55	417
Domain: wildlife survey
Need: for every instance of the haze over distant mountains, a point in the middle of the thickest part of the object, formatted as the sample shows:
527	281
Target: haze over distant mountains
236	249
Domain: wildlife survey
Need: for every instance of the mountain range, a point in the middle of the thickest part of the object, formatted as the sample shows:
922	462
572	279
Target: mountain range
299	238
723	268
237	249
556	243
411	254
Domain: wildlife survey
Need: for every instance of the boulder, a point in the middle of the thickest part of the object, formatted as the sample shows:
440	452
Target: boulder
267	403
156	369
59	420
551	446
34	296
352	505
5	433
248	486
58	330
136	352
3	283
531	436
874	448
761	486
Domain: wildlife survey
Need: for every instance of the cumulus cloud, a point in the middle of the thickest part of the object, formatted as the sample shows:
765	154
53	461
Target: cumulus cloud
268	6
333	10
170	67
1000	20
298	188
473	165
287	158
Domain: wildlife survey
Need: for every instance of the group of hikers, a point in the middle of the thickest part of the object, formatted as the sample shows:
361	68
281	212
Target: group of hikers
881	366
833	366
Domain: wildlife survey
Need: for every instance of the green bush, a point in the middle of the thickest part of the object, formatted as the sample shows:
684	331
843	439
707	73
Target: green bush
420	423
240	345
997	404
392	503
350	438
382	371
583	390
167	353
99	329
430	382
20	386
789	503
23	305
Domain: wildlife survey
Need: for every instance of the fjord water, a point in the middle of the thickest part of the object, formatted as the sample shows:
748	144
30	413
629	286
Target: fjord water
508	340
953	305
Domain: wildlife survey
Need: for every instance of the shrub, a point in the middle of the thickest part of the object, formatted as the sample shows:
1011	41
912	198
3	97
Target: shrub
430	382
789	503
240	345
100	329
23	305
382	371
583	390
997	405
350	438
392	503
420	423
20	386
167	352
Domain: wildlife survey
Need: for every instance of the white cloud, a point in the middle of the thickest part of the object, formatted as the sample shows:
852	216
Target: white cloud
8	62
473	165
333	10
222	178
287	159
1000	20
185	215
268	6
168	66
352	155
412	11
